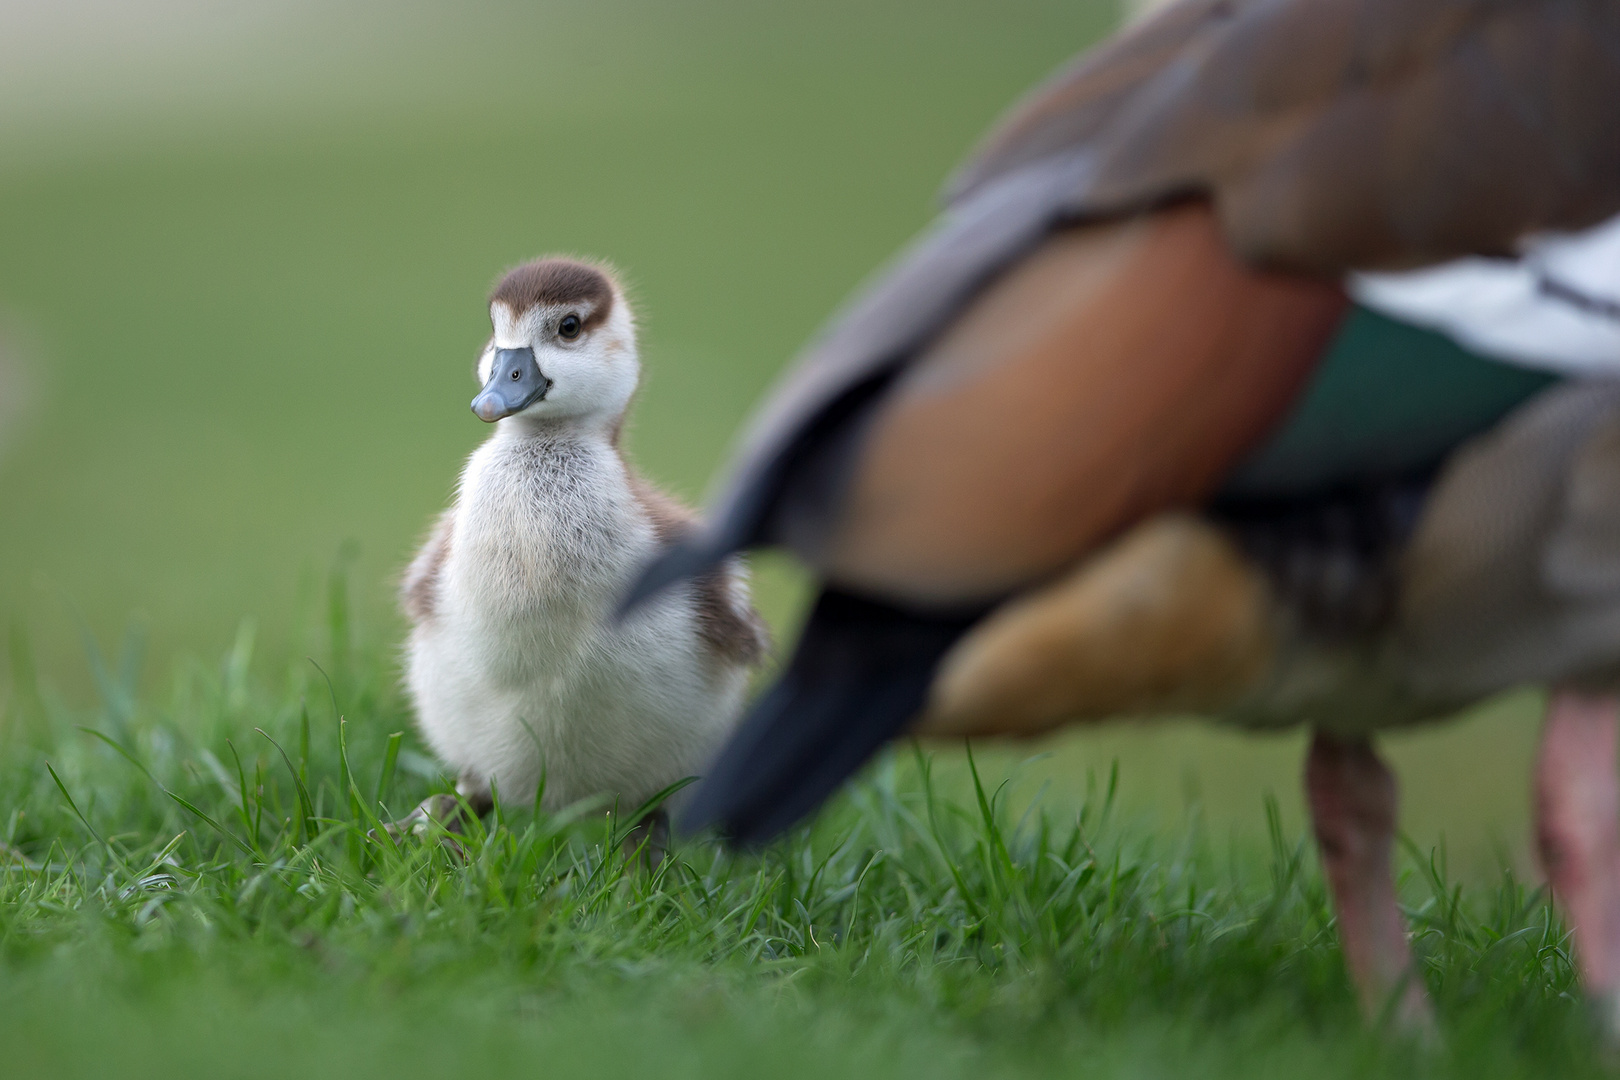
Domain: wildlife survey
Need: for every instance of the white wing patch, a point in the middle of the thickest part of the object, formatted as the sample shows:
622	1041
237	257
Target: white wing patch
1556	307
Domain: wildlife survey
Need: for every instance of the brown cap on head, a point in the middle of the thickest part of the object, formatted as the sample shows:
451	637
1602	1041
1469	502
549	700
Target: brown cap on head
555	281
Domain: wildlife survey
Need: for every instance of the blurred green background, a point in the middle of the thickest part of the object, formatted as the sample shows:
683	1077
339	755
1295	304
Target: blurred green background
244	253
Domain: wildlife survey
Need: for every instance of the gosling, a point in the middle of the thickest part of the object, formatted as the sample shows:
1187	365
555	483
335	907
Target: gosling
522	679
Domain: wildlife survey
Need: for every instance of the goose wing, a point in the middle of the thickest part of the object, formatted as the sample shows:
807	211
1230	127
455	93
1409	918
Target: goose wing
1327	134
1514	573
929	465
1333	134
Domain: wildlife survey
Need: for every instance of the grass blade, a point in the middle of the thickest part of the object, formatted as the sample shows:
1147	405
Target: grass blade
385	779
306	805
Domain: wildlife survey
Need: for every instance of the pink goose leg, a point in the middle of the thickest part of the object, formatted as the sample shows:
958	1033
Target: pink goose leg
1352	799
1578	834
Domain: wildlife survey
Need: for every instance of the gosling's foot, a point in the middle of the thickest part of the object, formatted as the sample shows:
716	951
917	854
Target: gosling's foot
648	839
444	810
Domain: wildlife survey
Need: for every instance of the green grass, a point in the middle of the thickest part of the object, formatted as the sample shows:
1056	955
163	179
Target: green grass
193	884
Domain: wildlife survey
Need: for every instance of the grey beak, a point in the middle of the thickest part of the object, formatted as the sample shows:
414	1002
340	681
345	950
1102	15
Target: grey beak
514	384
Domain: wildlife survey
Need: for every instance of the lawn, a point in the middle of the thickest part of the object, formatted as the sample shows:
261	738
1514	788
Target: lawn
194	884
241	288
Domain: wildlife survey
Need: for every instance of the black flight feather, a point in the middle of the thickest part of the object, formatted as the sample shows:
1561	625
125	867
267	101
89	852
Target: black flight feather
861	672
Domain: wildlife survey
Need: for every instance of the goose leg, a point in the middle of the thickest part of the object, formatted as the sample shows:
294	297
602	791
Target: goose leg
1578	835
1352	798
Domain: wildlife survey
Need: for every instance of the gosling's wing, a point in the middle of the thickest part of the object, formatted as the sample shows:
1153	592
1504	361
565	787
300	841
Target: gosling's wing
728	626
419	585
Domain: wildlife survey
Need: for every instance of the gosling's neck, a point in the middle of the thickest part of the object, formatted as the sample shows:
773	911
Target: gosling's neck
592	428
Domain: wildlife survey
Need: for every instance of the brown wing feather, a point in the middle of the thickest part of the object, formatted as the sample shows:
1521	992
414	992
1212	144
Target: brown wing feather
1582	556
1335	134
1512	575
1084	98
1119	370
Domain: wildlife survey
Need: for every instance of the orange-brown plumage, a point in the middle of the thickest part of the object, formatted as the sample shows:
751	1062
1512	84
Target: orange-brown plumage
1169	617
1119	370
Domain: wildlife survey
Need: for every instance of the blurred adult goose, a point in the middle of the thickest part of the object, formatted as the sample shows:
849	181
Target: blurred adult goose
519	676
1115	435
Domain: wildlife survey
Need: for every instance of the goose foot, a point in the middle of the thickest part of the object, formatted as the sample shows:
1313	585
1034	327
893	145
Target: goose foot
1578	837
1352	797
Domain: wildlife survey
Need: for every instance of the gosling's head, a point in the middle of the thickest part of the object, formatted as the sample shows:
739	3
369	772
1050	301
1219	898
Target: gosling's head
564	347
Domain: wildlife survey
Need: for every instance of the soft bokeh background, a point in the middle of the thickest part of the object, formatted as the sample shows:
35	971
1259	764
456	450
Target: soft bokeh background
243	255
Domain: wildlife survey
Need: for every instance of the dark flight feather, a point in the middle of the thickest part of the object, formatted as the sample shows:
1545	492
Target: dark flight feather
860	673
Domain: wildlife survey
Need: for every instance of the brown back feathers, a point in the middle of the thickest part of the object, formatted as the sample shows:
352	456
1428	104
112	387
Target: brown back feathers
1335	134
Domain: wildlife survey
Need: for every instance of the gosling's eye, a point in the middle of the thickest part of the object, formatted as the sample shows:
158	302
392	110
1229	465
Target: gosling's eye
568	329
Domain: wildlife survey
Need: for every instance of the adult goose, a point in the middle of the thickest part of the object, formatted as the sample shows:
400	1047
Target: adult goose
1116	435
